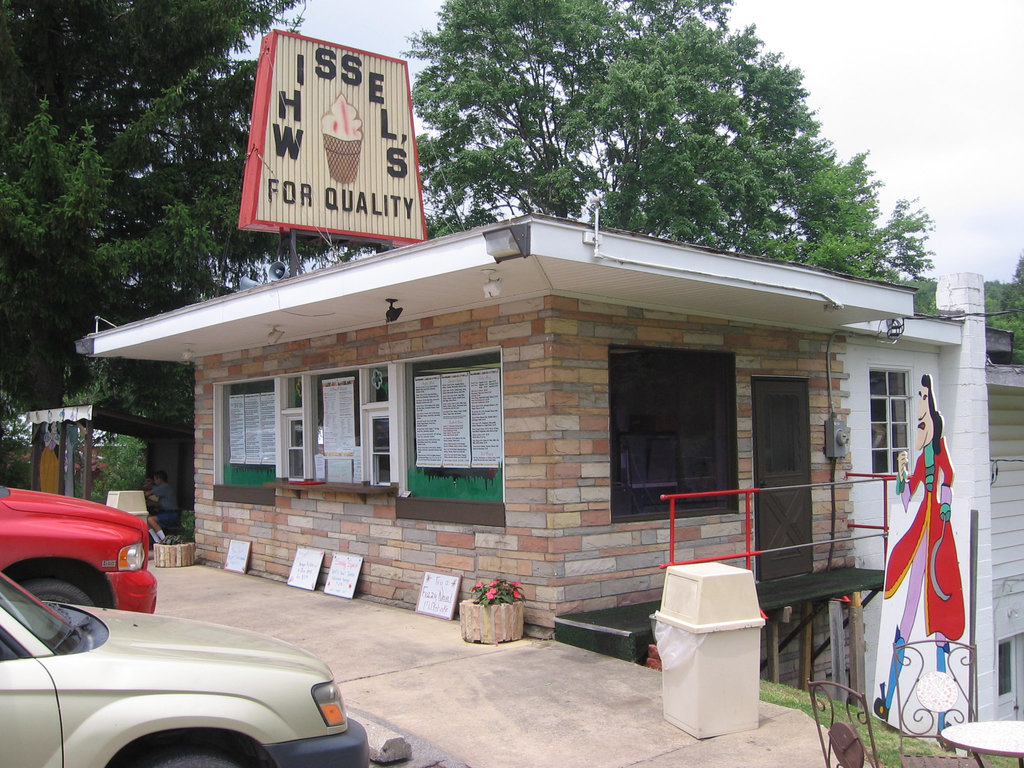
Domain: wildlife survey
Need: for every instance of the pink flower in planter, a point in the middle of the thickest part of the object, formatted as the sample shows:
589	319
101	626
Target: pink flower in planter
497	592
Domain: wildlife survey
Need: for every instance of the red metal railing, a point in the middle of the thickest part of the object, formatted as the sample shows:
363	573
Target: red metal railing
884	527
748	494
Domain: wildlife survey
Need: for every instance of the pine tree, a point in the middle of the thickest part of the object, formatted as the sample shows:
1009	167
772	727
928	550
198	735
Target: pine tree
123	125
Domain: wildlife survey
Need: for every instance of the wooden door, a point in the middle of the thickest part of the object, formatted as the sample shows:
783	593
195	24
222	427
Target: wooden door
782	459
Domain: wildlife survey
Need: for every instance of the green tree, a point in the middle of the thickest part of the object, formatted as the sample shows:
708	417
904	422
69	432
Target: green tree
691	130
123	126
1004	305
120	463
51	204
15	454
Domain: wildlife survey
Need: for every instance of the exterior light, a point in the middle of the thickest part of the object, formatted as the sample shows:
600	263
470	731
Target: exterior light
511	242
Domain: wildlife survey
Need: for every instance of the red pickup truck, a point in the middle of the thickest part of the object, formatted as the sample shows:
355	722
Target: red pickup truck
70	550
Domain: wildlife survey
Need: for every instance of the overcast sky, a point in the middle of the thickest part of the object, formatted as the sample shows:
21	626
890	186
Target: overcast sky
932	90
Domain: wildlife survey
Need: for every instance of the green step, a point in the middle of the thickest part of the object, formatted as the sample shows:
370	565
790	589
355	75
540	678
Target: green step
623	633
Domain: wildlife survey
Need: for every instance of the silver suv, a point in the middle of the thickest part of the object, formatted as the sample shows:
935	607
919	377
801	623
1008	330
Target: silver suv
112	689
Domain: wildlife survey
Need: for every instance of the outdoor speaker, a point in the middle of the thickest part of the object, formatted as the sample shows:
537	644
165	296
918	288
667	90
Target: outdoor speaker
245	283
277	271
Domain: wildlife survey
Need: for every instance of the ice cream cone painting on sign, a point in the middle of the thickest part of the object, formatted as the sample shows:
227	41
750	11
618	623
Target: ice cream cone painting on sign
343	140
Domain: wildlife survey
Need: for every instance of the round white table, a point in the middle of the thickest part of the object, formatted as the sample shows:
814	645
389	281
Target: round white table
992	737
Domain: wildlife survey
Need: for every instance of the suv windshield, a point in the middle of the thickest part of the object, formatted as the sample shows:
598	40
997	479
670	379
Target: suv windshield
41	621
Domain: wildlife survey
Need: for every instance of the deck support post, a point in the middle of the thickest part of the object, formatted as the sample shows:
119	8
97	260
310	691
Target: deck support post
806	644
772	643
857	646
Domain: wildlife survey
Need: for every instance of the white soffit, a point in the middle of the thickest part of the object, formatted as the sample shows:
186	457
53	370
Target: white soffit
447	275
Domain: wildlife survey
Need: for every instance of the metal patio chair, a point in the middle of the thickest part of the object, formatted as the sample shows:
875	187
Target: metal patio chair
842	717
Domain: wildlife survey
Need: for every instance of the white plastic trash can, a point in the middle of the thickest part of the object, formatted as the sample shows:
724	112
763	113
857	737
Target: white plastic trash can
709	639
128	501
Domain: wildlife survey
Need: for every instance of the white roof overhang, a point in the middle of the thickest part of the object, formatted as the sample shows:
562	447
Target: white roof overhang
447	275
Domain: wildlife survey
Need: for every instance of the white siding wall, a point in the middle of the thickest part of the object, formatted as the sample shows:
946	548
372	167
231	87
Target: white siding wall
1006	426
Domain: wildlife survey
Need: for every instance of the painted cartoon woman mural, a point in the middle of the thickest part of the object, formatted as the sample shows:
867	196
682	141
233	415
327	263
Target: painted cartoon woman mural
924	561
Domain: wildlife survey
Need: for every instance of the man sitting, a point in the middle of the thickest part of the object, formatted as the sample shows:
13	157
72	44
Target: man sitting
166	500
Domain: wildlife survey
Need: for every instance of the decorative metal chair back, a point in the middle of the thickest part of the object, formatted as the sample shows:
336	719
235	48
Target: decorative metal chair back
934	689
843	718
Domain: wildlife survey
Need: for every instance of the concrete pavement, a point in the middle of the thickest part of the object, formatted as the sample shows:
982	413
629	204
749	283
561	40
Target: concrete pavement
464	705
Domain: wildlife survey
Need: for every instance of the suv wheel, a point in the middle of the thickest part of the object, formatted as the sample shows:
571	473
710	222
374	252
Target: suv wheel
57	591
186	757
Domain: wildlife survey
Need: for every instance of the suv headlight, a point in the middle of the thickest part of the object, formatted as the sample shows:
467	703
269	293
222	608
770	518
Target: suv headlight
328	701
132	557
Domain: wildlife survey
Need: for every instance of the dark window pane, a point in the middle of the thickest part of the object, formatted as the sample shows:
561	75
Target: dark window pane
899	436
879	462
878	410
878	436
899	410
897	384
1005	667
877	382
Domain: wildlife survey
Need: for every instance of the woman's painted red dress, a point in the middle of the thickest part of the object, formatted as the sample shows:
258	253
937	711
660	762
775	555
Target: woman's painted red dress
943	590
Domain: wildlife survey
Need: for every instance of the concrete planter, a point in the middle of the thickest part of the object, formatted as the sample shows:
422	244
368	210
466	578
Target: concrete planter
491	624
174	555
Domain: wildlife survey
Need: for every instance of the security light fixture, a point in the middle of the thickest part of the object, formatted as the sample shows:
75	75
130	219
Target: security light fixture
392	312
511	242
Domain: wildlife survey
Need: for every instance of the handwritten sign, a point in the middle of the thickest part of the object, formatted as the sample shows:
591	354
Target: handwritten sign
306	568
344	573
238	556
438	595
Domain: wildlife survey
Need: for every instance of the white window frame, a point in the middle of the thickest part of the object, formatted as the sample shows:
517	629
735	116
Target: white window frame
221	426
398	409
907	397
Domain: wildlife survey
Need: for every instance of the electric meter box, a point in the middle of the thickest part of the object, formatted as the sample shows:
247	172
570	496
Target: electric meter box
710	626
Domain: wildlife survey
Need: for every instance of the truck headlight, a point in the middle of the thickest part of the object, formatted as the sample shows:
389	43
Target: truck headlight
328	701
132	557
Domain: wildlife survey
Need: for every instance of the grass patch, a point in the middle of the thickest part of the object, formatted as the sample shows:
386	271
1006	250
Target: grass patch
887	738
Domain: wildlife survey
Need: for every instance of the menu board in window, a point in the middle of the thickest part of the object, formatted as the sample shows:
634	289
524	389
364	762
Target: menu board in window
339	417
485	416
429	442
458	419
251	435
236	429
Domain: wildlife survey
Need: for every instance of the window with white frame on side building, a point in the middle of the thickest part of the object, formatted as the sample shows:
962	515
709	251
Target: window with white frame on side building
890	418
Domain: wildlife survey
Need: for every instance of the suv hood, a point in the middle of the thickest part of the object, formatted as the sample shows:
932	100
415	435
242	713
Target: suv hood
161	640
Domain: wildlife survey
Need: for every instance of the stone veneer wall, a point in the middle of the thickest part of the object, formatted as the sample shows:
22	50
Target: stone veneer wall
559	540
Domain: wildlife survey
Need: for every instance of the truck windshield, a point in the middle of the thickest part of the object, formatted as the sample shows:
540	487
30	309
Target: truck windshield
43	622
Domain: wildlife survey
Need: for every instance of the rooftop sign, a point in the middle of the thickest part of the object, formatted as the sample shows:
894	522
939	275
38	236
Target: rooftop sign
332	147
